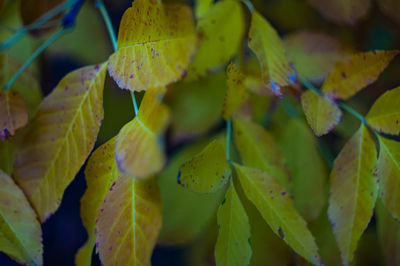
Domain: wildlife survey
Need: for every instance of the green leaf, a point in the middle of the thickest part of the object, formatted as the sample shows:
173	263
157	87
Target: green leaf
20	232
63	132
384	115
353	192
322	113
206	172
389	174
356	72
202	6
276	206
264	41
233	242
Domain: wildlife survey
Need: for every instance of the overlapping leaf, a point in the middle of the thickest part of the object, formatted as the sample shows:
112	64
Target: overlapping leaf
314	53
356	72
139	150
13	113
322	112
155	45
389	174
100	172
128	222
63	132
20	232
342	11
206	172
233	246
235	91
277	72
353	192
308	170
384	115
276	206
221	31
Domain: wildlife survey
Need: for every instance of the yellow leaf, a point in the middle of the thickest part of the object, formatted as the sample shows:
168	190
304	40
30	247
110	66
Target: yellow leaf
321	112
206	172
356	72
221	31
314	53
20	232
235	91
384	115
258	149
63	132
342	11
276	207
182	207
353	192
155	44
139	150
388	235
308	173
101	171
202	6
266	44
128	222
233	242
389	174
13	113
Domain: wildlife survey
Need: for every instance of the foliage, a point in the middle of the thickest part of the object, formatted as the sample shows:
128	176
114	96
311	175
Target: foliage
223	154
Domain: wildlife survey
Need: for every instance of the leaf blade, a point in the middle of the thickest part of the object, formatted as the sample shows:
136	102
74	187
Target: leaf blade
13	113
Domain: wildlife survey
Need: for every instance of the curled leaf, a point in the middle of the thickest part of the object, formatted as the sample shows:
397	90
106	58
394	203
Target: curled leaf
155	44
13	113
235	91
322	112
206	172
353	192
63	131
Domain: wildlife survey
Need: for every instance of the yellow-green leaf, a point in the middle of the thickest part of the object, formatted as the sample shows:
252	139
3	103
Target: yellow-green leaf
314	53
353	192
235	91
155	44
20	232
276	207
202	6
128	222
233	242
388	235
100	173
389	174
265	42
258	149
322	112
63	132
384	115
13	113
139	149
309	172
356	72
206	172
342	11
221	31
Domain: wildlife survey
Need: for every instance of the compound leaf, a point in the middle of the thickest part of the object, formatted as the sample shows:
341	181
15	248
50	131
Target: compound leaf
264	41
206	172
235	93
353	192
233	245
322	112
276	206
128	222
354	73
13	113
100	173
20	232
155	44
63	132
384	115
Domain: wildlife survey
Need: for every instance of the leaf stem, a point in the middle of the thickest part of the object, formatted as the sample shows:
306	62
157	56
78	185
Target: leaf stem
228	139
35	54
111	33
